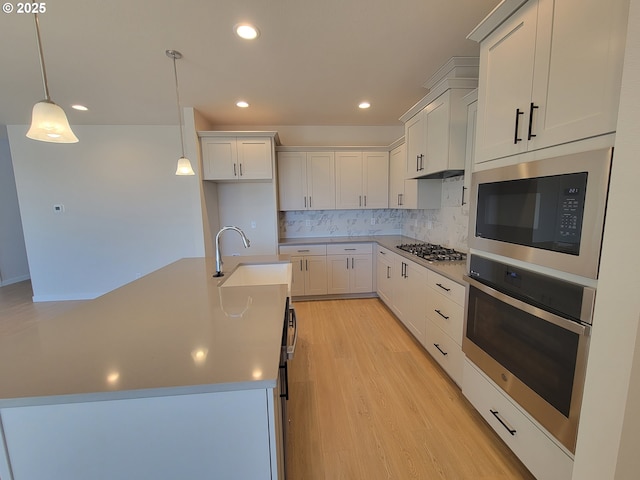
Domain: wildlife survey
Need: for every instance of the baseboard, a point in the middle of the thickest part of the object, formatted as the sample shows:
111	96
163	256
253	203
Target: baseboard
63	298
11	281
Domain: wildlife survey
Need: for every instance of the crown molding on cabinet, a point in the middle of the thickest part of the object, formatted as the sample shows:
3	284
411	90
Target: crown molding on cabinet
331	148
240	133
495	18
443	86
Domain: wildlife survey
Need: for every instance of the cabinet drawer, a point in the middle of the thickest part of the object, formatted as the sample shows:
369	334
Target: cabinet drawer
349	248
446	287
446	352
303	249
447	314
545	459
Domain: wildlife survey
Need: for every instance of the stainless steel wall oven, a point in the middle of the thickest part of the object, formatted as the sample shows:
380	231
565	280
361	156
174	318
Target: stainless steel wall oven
535	235
530	334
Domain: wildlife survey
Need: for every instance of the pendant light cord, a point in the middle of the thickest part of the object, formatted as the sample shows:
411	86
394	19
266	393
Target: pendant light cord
175	74
42	67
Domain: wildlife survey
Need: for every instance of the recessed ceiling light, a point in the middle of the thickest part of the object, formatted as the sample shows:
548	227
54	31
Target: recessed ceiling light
364	105
242	104
246	31
82	108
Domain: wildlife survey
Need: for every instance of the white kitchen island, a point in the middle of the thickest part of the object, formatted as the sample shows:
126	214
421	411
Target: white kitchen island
170	376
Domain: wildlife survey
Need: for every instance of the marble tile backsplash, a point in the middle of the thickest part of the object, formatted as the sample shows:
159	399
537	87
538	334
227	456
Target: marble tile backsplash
447	225
340	223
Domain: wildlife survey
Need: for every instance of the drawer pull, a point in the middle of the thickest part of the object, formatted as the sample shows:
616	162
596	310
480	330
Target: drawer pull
350	249
504	424
300	251
439	349
444	288
441	314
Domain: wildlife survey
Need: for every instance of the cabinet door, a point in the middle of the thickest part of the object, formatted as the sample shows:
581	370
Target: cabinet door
361	274
384	276
437	120
254	159
338	270
220	158
504	92
321	193
415	310
397	174
414	132
349	180
292	180
472	114
316	275
579	55
375	173
297	276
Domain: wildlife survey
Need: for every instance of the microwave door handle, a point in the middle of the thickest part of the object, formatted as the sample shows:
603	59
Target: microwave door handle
569	325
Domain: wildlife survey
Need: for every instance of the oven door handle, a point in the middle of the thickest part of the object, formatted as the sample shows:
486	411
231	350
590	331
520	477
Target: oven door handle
570	325
293	323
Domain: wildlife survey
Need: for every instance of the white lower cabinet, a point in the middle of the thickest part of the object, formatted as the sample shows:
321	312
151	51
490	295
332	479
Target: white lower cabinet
537	451
409	299
309	269
349	268
384	274
445	318
228	435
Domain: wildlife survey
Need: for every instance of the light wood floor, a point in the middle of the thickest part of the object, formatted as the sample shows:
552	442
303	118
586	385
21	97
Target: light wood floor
367	402
17	310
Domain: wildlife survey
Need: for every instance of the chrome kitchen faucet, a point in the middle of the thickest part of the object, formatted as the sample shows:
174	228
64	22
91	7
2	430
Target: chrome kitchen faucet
245	240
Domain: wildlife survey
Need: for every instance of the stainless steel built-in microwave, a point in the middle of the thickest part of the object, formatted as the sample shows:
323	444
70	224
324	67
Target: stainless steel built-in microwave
547	212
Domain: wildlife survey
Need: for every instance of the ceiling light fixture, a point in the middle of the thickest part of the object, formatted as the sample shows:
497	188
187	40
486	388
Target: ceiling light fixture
184	165
364	105
246	31
242	104
48	121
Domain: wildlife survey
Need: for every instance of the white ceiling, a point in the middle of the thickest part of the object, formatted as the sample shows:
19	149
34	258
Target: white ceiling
314	61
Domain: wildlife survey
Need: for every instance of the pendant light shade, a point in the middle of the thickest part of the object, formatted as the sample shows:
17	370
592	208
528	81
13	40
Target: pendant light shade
184	165
50	124
48	121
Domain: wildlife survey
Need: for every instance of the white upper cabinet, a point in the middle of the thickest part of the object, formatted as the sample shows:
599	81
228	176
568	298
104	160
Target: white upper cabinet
362	180
409	193
549	74
435	127
306	180
237	158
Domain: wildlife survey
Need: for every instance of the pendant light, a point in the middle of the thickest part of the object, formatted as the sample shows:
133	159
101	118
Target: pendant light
48	121
184	165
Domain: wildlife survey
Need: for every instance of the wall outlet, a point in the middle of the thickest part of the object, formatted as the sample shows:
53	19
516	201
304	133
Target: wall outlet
373	220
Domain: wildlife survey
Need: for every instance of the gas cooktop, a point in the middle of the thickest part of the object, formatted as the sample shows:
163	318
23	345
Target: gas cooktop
433	253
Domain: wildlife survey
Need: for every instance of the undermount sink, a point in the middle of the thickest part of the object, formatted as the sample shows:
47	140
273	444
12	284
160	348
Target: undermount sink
259	274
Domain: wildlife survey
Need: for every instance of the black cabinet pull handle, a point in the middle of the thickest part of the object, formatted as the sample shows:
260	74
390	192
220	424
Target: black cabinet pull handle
441	314
305	202
286	382
444	288
463	189
439	349
422	161
388	269
240	169
309	201
347	264
234	170
497	415
417	163
515	135
532	107
352	267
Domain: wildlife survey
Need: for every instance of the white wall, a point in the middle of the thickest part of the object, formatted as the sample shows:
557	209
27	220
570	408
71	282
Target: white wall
125	212
13	256
609	436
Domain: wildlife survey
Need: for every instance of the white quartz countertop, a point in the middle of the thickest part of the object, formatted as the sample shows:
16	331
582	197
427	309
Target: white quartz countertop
452	270
174	331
